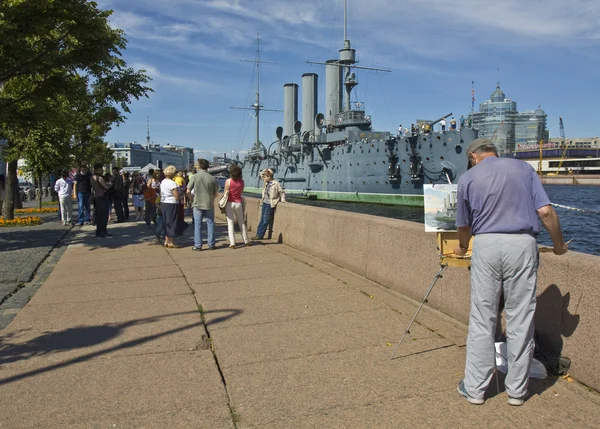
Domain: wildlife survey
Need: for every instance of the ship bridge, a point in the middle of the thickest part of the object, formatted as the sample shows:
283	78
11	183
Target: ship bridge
353	118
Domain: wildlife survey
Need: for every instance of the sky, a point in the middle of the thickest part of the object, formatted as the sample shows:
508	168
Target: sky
543	52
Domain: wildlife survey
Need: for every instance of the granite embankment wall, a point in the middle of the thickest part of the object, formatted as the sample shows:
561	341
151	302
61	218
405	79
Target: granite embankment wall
401	256
582	179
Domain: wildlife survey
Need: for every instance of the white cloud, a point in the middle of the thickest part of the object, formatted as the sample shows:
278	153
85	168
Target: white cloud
170	79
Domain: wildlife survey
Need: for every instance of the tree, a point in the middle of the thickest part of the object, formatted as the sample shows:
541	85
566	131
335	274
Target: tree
63	83
121	162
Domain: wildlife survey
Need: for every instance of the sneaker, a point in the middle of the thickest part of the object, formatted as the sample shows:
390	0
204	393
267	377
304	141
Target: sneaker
256	238
461	389
196	248
248	245
516	402
232	246
212	248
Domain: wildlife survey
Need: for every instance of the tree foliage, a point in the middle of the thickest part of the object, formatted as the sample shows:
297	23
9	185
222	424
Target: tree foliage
63	82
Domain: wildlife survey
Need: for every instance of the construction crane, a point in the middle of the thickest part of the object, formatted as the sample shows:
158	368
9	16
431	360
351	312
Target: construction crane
565	145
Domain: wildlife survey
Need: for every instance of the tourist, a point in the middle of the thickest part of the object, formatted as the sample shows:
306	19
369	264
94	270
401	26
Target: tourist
453	124
100	192
159	176
150	198
2	191
169	200
400	131
499	200
234	206
126	186
443	124
204	188
182	191
83	189
137	184
117	195
64	189
462	121
272	194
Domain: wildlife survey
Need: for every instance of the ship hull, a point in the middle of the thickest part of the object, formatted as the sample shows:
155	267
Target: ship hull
360	171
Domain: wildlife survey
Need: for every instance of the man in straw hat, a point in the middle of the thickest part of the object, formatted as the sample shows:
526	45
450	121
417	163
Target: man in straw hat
499	200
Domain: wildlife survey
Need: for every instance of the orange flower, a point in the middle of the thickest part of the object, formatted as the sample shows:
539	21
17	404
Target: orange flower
21	221
43	210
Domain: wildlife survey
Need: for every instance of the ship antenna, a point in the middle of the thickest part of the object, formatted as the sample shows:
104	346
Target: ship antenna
257	107
345	20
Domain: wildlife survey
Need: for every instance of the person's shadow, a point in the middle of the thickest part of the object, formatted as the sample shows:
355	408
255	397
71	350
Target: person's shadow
552	321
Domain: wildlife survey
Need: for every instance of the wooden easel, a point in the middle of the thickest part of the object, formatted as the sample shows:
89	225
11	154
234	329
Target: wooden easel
446	243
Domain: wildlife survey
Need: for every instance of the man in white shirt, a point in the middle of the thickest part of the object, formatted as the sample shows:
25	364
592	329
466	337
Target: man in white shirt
443	124
64	188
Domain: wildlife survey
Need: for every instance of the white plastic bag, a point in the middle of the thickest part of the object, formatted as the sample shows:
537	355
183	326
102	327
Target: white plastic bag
537	370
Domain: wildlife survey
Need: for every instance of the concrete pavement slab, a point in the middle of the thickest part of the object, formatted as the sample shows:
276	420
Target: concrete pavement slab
436	410
241	258
263	287
285	389
110	328
154	260
117	390
233	272
84	292
186	252
119	276
277	308
74	256
244	345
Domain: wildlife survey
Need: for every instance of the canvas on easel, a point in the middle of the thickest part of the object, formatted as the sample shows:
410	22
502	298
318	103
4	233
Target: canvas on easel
440	207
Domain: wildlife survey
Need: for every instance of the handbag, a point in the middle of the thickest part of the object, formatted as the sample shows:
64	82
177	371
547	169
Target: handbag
223	200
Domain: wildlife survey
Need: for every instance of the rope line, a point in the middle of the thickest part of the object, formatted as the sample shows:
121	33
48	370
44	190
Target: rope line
575	208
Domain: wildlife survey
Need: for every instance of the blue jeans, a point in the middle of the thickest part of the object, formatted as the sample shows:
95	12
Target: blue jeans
265	219
83	205
210	226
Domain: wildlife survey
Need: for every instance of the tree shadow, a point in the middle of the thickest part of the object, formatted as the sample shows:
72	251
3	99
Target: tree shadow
87	336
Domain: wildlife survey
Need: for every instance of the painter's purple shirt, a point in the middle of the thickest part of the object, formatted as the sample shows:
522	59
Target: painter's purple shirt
500	195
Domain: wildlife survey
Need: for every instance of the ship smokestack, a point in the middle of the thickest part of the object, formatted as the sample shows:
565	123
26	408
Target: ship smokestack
333	81
310	99
290	108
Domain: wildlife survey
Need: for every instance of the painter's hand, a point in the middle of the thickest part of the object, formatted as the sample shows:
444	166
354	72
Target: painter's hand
561	249
459	251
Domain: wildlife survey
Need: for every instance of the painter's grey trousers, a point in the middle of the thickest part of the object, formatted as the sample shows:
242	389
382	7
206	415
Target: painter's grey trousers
507	262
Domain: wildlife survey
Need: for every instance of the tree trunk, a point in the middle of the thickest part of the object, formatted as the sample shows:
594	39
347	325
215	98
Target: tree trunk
13	193
40	188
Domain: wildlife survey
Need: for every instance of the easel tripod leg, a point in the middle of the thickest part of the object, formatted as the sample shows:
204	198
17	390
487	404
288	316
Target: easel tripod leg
423	302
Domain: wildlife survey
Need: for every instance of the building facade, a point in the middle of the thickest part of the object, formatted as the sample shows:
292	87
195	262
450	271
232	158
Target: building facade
138	155
499	120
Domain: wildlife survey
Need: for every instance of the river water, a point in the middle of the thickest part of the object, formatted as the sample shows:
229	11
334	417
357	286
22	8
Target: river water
583	228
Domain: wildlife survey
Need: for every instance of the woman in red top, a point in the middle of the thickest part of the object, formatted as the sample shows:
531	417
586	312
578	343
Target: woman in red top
234	206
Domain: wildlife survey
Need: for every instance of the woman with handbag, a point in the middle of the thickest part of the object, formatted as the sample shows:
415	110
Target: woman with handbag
234	187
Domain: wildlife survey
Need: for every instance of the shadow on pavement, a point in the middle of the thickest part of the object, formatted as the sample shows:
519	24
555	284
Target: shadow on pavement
87	336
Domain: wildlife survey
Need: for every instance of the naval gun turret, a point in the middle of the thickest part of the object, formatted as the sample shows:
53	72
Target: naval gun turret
431	124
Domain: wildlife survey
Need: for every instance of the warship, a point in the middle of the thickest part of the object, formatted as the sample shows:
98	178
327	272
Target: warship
337	155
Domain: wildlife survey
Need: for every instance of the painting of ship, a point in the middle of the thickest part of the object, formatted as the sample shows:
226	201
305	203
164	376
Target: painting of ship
338	155
440	207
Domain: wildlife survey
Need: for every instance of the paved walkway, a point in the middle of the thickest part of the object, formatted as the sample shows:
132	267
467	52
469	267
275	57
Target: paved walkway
127	334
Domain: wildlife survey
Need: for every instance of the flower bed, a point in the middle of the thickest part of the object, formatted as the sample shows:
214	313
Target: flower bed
21	221
46	210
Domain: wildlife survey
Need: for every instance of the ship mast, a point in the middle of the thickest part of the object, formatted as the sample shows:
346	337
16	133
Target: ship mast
257	107
348	62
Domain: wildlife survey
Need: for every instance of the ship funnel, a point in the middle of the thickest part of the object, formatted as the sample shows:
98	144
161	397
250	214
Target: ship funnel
333	81
290	108
309	101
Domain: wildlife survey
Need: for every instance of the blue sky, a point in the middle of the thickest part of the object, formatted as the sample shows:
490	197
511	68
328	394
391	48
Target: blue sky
548	53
